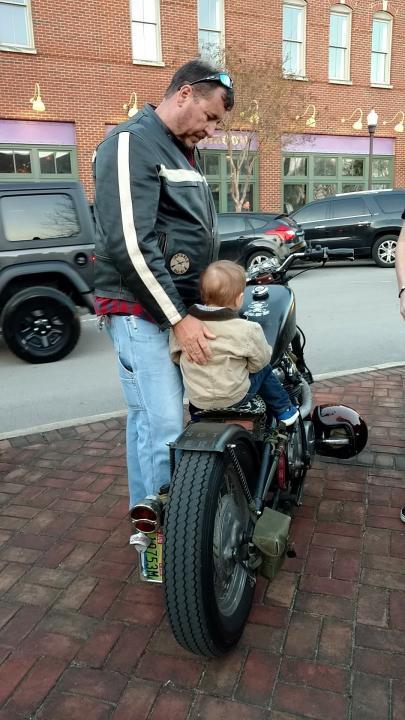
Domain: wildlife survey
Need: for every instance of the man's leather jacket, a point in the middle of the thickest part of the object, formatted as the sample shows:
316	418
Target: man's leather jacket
156	226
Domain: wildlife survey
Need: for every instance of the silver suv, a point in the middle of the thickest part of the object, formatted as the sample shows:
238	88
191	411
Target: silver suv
46	267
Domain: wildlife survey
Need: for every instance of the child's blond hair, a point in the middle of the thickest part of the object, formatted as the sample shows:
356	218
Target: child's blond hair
221	283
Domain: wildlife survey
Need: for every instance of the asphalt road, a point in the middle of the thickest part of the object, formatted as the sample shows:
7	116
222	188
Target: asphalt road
349	314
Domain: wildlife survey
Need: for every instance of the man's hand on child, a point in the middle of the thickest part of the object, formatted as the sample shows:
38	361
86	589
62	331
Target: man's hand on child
192	336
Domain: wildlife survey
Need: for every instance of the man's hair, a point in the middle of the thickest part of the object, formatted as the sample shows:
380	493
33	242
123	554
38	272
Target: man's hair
196	70
221	283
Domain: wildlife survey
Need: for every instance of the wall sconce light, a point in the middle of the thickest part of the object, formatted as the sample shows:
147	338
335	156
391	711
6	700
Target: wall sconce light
399	127
37	103
311	120
358	124
131	107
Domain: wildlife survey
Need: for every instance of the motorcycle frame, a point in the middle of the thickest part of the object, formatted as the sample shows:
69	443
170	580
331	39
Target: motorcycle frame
221	437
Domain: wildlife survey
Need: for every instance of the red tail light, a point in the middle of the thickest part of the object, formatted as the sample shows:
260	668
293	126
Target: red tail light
145	512
145	526
286	234
146	516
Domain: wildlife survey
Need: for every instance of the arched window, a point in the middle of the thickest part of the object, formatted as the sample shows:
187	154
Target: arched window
339	43
381	49
294	37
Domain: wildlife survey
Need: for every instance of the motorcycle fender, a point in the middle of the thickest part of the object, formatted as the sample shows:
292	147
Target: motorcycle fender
211	437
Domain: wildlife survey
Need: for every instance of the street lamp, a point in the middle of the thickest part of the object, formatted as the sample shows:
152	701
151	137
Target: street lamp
372	120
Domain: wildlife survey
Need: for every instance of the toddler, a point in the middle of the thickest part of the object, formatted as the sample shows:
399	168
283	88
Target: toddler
240	363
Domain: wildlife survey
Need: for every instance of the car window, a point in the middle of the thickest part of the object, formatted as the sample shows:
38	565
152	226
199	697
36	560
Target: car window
231	223
38	217
348	207
257	223
391	202
312	212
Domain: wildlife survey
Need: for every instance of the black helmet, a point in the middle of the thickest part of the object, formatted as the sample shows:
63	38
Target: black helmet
340	431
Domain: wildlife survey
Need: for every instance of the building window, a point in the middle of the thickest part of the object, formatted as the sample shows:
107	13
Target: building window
381	49
16	25
311	177
210	27
215	166
294	25
37	163
15	162
339	43
146	44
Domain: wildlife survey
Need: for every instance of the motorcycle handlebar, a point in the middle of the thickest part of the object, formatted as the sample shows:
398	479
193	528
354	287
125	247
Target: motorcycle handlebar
311	254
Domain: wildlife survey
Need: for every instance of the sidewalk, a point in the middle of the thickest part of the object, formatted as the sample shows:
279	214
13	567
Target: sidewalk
81	638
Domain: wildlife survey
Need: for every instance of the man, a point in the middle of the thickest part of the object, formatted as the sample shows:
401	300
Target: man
400	270
155	232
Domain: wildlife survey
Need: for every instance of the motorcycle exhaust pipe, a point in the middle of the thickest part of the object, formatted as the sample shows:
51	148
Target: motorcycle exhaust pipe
147	515
306	404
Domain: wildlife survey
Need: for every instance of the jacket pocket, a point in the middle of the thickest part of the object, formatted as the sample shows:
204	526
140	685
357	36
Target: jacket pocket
181	184
162	243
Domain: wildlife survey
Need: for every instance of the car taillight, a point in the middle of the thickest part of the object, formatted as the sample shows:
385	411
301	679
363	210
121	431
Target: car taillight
285	234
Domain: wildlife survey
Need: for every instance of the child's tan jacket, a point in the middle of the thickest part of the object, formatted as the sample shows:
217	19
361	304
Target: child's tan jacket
240	348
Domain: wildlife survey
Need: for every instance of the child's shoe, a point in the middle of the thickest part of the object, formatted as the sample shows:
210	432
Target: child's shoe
402	514
289	416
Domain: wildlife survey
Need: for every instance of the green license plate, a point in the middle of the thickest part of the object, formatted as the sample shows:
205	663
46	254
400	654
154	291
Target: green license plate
151	559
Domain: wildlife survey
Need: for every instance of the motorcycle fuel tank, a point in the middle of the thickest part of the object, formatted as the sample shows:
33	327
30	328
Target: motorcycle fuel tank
273	307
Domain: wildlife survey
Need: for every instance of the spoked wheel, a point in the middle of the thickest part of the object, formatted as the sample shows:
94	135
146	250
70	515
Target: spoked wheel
257	258
208	586
383	251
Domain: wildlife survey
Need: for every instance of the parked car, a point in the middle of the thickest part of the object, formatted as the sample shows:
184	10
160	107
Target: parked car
250	237
368	221
46	267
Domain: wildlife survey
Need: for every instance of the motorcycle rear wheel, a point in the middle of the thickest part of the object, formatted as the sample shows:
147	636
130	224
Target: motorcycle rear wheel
208	587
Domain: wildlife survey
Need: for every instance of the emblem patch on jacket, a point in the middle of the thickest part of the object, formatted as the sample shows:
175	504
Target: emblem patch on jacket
179	264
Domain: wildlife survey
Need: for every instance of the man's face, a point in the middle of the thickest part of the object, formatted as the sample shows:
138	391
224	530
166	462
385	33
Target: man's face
198	116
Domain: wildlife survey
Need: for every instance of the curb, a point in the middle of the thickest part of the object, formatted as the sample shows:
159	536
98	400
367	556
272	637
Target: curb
66	428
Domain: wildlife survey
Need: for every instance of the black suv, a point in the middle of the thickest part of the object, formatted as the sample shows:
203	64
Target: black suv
367	221
250	237
46	267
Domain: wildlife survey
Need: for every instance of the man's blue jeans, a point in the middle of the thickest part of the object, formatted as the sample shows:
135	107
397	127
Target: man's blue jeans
153	390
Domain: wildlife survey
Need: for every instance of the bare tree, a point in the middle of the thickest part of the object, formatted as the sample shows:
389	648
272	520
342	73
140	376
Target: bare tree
266	106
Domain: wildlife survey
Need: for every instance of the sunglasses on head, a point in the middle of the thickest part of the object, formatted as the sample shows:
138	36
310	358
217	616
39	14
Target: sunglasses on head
222	78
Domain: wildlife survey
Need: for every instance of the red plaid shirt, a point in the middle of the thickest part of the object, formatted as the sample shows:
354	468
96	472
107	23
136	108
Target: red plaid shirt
113	306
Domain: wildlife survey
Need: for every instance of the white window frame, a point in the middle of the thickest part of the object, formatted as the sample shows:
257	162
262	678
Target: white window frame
346	12
302	5
382	16
30	47
142	61
219	30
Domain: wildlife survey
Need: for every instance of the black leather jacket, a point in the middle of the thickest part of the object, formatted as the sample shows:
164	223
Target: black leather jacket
156	225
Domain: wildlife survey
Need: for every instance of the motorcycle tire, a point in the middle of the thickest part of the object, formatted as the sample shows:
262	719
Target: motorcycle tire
208	591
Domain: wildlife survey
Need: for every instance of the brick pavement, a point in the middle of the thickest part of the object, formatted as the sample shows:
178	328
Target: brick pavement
82	637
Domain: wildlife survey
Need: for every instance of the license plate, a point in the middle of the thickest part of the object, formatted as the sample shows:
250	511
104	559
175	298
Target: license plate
151	559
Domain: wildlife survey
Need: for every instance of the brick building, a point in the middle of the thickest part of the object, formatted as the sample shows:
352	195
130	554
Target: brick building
86	60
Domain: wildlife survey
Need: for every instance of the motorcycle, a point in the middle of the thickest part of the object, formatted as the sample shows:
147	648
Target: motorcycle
236	478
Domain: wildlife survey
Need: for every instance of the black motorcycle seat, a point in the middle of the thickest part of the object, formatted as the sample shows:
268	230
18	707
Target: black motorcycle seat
251	408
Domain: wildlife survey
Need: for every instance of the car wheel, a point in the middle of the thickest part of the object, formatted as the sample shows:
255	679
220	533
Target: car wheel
40	324
257	257
383	252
